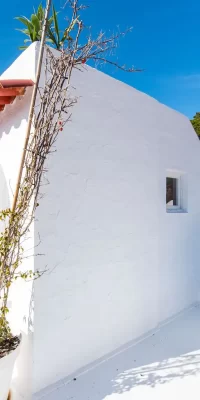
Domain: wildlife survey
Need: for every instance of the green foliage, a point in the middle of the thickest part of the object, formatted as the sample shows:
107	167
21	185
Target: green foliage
11	256
196	123
5	332
57	32
33	28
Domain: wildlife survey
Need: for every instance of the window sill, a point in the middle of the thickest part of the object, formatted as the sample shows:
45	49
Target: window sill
176	211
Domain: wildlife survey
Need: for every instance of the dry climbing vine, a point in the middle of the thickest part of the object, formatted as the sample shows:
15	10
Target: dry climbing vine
51	114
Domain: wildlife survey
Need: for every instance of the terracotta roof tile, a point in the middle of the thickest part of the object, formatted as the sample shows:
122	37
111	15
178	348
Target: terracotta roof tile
10	88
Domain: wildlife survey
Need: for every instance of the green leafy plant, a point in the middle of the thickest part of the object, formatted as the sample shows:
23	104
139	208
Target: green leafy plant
33	28
11	257
196	123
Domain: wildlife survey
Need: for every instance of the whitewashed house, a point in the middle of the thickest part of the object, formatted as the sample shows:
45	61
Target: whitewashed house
119	224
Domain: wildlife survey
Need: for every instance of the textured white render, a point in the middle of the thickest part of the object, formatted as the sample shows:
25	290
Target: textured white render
118	264
13	122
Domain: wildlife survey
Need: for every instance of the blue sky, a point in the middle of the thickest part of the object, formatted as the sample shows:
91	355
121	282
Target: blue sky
165	42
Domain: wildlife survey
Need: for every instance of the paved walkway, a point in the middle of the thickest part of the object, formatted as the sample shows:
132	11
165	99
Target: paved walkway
164	366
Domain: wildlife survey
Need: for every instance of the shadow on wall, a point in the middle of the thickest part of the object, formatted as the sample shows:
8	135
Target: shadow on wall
171	353
21	380
14	113
21	384
4	192
23	372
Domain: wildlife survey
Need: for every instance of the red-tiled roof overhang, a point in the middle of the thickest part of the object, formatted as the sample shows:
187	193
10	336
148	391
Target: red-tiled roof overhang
10	88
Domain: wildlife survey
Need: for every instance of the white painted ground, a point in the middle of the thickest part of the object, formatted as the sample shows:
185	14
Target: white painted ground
164	366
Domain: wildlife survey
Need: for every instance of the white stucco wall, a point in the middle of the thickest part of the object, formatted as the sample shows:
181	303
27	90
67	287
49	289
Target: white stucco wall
118	263
13	122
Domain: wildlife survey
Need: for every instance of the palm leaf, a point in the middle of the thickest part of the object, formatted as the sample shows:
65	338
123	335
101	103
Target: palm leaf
49	40
25	31
50	20
24	21
55	20
29	25
34	35
23	47
40	13
51	36
36	23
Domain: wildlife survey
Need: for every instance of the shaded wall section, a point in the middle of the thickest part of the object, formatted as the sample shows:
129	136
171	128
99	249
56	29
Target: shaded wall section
13	123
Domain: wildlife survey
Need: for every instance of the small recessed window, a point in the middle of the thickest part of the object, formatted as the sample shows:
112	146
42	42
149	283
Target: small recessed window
176	191
172	198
